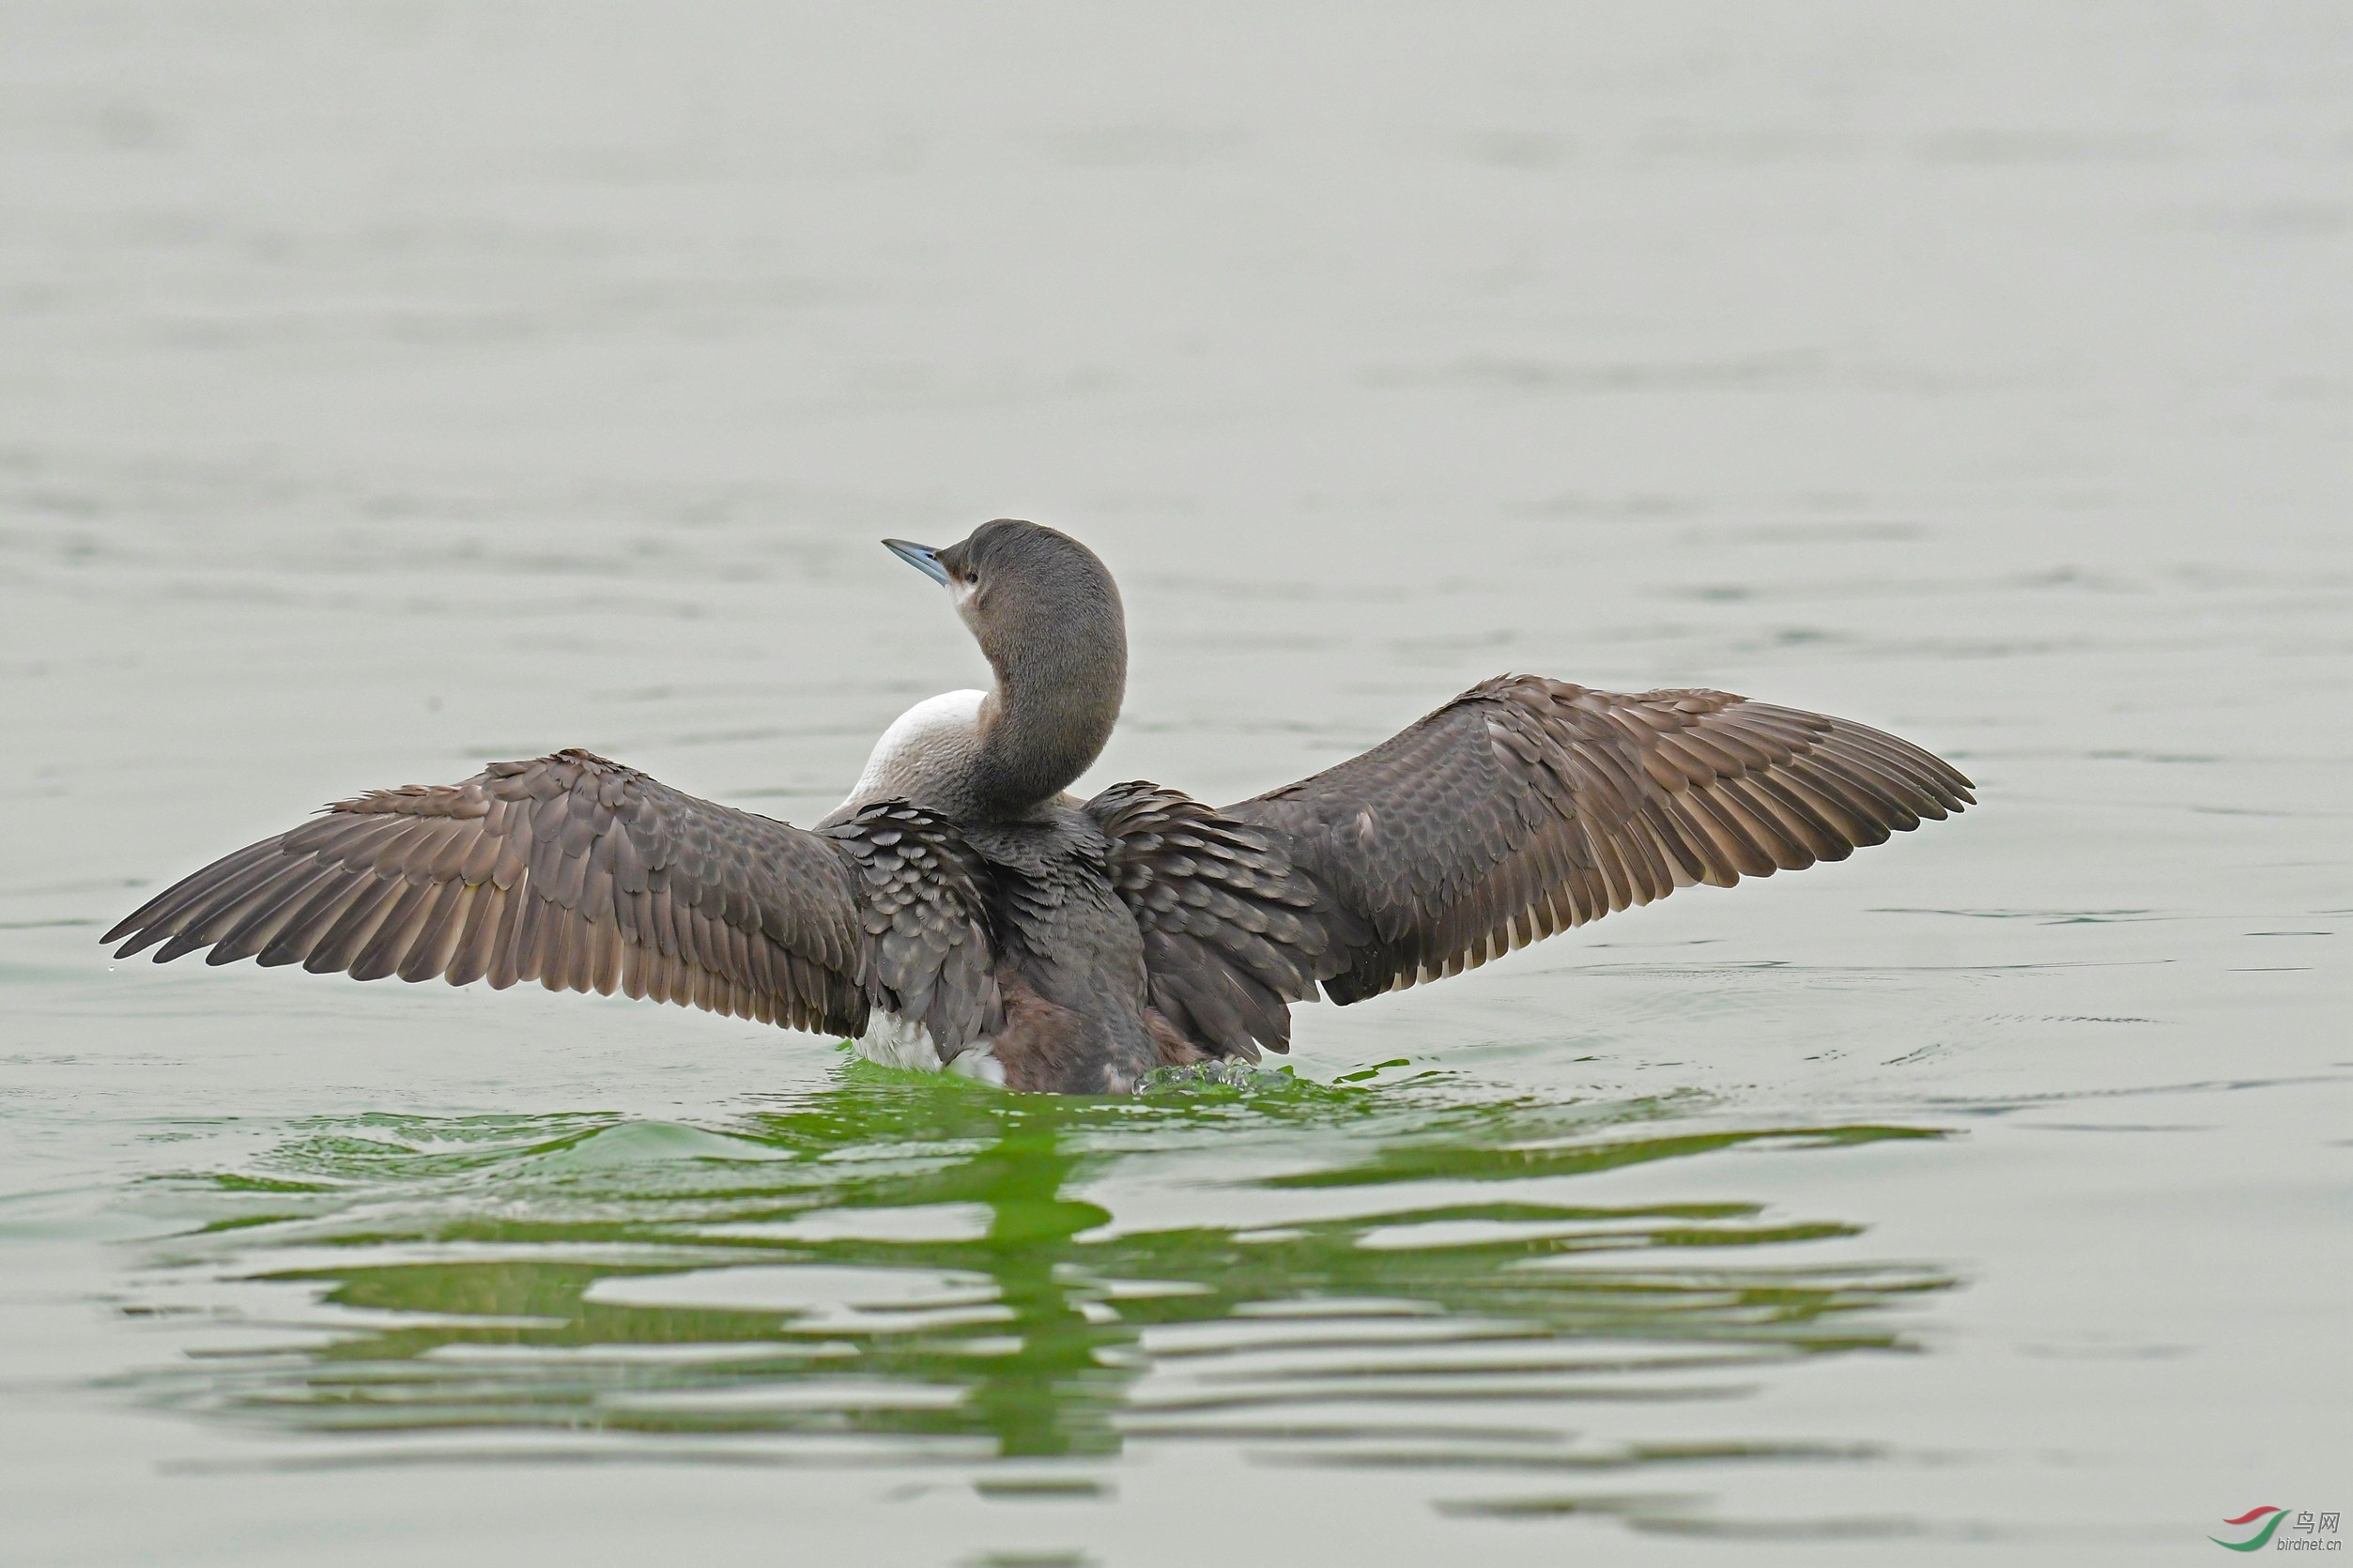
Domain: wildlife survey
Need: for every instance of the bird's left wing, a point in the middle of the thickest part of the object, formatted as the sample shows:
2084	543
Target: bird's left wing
587	875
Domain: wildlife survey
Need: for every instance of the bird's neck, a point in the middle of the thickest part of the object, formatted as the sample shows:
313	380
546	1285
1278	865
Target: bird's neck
1057	699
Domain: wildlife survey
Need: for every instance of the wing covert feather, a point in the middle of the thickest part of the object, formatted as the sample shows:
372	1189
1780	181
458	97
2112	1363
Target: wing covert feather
1234	928
925	915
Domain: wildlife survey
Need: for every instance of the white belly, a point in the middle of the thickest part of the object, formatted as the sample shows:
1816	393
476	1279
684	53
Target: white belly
903	1042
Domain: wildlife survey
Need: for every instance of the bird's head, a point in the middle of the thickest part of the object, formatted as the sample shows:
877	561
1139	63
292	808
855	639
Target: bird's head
1047	615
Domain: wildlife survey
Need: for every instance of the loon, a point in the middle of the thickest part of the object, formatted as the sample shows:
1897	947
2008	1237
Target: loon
961	912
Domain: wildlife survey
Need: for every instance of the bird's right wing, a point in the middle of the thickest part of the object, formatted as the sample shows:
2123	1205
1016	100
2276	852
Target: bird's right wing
586	875
1527	806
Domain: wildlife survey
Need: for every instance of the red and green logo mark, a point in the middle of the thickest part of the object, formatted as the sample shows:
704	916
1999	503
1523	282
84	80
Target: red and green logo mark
2305	1531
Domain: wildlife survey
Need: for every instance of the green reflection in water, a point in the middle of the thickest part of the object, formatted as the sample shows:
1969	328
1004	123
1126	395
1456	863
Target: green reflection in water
1366	1275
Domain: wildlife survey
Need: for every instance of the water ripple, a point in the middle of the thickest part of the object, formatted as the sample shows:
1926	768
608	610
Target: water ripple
896	1274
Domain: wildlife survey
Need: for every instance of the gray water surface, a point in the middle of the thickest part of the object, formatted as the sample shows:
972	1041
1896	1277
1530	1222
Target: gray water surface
386	389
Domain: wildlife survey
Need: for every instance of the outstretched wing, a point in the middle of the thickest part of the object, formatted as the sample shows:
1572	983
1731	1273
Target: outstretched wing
1527	806
1234	930
584	875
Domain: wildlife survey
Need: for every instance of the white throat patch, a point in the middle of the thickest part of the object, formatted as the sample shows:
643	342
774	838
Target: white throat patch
934	740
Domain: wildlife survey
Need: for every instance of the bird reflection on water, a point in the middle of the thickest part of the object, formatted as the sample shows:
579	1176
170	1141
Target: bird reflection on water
1410	1289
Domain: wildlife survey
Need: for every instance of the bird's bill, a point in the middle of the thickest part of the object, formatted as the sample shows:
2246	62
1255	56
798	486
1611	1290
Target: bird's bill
923	557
